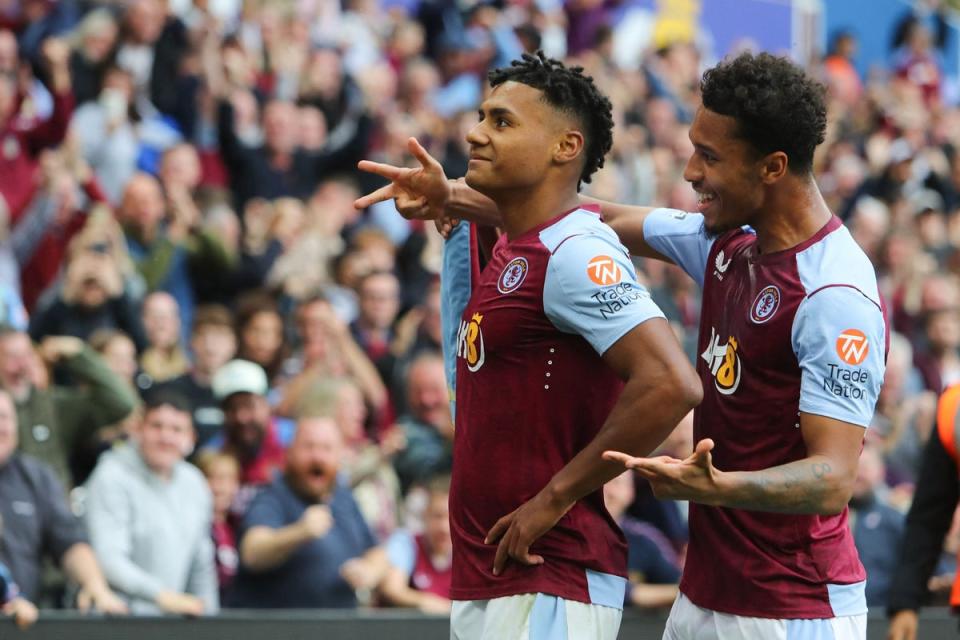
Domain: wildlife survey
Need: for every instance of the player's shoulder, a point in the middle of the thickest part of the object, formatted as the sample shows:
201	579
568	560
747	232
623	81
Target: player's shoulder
582	228
836	264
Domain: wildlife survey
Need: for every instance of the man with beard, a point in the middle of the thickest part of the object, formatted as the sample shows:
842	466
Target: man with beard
303	542
250	434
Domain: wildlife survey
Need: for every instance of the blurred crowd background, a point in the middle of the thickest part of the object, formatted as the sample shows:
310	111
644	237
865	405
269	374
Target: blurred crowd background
226	383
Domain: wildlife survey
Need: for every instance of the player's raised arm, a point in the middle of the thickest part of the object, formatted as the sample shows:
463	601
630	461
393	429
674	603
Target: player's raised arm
425	192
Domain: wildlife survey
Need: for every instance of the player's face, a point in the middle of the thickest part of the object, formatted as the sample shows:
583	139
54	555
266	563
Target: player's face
724	171
510	146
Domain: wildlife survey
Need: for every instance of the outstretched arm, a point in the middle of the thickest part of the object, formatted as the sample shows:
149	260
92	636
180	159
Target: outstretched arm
820	483
425	193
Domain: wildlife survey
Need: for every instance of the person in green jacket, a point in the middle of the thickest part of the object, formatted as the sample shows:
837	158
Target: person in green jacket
55	419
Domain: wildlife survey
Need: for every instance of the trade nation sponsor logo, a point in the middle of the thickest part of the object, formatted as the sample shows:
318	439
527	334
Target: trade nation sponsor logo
614	294
853	347
603	271
724	362
470	342
513	275
848	381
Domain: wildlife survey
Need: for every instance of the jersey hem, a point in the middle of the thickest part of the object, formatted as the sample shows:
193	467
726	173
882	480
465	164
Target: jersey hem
824	613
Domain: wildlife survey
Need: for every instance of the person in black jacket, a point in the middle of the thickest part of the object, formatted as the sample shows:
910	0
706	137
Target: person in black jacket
280	167
934	503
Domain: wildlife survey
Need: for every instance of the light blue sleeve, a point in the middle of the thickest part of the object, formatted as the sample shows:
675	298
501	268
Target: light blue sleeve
402	551
591	289
681	237
454	294
839	339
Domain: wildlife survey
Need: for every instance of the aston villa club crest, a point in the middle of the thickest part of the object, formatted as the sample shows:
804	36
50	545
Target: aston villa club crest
513	275
766	304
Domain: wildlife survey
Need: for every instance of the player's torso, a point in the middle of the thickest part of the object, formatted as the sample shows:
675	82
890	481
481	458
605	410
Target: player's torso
529	398
745	357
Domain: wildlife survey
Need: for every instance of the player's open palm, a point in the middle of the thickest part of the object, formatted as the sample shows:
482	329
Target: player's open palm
420	193
518	530
694	478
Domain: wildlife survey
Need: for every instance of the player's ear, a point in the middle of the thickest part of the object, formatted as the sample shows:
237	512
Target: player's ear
569	146
773	166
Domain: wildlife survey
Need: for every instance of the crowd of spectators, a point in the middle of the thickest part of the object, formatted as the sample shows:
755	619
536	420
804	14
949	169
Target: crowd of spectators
221	384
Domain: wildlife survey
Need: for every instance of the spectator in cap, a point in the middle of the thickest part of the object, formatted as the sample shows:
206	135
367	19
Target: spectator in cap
250	433
149	514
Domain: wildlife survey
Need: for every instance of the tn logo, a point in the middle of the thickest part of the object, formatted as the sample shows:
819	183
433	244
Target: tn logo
470	342
604	271
853	347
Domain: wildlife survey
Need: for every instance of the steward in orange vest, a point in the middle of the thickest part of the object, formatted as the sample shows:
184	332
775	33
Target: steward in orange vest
931	514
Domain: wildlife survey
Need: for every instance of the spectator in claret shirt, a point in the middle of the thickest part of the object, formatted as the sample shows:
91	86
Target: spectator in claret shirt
223	477
22	136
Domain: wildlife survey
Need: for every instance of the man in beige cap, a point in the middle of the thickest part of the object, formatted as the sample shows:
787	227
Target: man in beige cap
250	433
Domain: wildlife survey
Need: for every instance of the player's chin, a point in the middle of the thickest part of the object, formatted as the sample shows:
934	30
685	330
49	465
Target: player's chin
478	179
717	226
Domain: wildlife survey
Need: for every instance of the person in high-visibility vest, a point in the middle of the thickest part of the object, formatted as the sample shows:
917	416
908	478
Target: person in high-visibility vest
934	503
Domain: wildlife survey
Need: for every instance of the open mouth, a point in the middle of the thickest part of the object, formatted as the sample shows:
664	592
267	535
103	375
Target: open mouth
704	200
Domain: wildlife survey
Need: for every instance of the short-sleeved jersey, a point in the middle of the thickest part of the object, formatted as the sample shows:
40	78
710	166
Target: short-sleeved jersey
794	331
532	392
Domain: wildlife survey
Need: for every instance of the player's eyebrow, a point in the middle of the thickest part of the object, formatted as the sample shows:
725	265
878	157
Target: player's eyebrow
705	147
495	112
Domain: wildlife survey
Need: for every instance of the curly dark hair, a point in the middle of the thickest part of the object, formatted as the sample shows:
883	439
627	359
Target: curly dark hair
777	106
569	91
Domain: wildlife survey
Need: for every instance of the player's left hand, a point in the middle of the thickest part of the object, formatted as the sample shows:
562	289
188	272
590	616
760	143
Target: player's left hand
519	529
694	478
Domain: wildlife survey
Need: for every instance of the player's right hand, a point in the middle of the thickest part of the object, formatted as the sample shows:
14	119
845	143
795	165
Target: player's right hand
420	193
316	520
903	625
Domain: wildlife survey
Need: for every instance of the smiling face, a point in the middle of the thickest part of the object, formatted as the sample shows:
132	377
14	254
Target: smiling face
516	140
725	171
165	437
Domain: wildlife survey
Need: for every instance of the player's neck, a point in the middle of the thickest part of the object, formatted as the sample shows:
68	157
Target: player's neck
525	209
792	215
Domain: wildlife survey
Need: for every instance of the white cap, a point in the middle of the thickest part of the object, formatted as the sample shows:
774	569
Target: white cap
239	376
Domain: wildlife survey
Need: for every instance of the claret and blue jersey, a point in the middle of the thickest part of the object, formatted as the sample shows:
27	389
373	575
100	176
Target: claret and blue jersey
794	331
532	391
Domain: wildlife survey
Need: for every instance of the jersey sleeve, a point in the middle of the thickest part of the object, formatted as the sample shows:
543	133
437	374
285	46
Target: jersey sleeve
591	289
839	338
680	236
455	287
